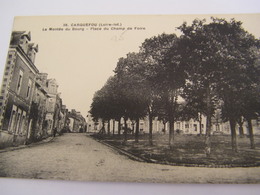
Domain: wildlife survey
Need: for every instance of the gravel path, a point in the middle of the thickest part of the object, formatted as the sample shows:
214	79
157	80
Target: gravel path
79	157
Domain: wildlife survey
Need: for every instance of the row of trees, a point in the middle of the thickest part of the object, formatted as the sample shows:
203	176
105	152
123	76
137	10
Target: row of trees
212	66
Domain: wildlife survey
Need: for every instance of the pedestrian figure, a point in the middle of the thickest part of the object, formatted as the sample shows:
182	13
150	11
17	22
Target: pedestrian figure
54	131
81	130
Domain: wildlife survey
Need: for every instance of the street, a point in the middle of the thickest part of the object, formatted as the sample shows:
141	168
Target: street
79	157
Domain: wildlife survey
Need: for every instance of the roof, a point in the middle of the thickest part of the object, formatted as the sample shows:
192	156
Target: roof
31	46
17	35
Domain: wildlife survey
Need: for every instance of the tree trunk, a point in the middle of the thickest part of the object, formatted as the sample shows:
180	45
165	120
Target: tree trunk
164	128
171	133
150	130
137	131
108	127
251	134
233	135
113	127
102	130
241	129
133	128
125	131
172	109
200	121
208	125
119	127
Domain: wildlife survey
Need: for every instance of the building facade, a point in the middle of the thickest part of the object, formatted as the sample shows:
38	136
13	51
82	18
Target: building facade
76	122
52	89
17	89
30	106
38	129
191	126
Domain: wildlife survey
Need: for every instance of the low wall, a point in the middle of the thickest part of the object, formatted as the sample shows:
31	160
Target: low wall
8	139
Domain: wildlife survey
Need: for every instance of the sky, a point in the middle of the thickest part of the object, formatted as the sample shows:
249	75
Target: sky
82	61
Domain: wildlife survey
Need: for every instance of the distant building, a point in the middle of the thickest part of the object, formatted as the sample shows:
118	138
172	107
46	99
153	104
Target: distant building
64	121
77	123
52	88
58	116
190	126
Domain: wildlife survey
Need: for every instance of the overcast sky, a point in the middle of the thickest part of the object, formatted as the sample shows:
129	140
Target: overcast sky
82	61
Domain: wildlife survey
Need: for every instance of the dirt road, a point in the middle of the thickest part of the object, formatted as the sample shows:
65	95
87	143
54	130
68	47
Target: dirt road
79	157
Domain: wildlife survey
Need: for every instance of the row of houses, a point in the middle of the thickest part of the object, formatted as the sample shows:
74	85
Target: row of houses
31	107
190	126
76	122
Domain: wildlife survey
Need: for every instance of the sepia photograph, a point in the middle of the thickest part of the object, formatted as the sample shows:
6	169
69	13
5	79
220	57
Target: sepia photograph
132	98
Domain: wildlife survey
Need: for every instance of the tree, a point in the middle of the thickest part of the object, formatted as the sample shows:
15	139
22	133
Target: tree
251	108
201	51
105	103
132	89
195	103
239	73
165	75
220	60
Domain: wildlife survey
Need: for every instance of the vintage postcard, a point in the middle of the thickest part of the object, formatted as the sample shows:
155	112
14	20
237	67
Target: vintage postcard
132	98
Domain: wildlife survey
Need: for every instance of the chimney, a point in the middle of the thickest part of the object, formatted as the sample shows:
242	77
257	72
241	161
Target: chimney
32	50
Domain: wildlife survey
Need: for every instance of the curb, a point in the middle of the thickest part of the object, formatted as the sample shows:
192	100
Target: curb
142	159
47	140
124	152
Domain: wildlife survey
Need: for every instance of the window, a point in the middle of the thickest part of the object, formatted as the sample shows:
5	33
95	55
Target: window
178	125
23	130
195	127
21	123
53	89
37	97
29	88
12	119
217	127
20	78
17	122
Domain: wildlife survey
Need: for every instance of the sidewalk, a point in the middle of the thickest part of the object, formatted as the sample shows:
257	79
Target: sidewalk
49	139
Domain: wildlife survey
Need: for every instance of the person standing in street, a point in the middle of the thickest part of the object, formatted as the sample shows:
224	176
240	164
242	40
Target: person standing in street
54	131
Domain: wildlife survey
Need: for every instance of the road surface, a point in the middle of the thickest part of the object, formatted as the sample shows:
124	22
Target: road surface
79	157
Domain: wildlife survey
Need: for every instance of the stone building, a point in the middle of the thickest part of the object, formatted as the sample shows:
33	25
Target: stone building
52	89
38	127
16	91
77	122
30	105
190	126
58	117
64	121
